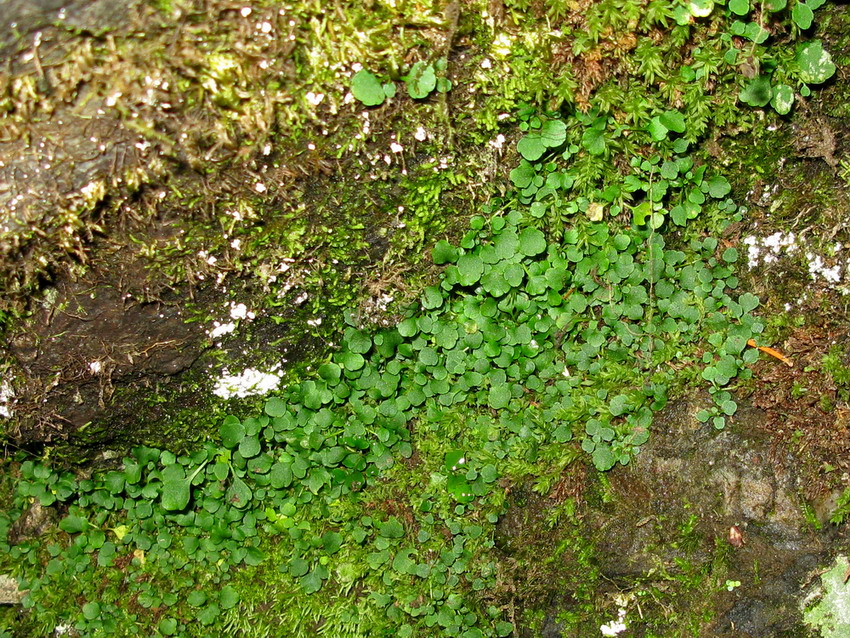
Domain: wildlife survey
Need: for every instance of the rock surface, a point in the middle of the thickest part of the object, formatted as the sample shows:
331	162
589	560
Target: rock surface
696	505
9	594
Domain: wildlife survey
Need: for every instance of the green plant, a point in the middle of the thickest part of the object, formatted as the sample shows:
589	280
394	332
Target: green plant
369	90
423	79
842	508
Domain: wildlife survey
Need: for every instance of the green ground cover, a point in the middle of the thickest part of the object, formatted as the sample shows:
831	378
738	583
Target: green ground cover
363	499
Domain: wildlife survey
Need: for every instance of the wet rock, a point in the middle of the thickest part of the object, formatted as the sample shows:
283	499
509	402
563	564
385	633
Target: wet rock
689	474
9	593
827	604
90	342
34	522
23	17
696	501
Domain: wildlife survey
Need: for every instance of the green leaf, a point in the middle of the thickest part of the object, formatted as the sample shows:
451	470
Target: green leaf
553	133
402	562
249	446
366	88
815	62
619	405
114	482
674	121
331	542
444	253
499	397
495	284
802	15
755	32
656	129
168	626
391	529
275	407
757	92
593	140
739	7
729	407
208	614
532	242
91	611
489	473
603	458
432	298
312	582
470	269
641	212
460	489
531	147
232	432
718	187
701	8
352	361
253	556
73	524
748	301
783	98
239	494
421	80
196	597
330	372
669	170
175	494
523	174
358	341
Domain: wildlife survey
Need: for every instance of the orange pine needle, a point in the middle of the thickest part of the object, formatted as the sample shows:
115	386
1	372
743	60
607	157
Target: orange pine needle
771	351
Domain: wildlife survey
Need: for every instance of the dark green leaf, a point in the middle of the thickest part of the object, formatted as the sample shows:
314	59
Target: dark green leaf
757	92
444	253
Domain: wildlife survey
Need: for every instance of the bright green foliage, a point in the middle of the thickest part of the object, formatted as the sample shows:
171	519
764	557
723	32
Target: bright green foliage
533	341
550	135
367	88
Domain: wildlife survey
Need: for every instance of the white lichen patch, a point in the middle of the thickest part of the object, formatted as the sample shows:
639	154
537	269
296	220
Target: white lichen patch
220	329
7	395
827	607
615	627
240	311
830	269
249	382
